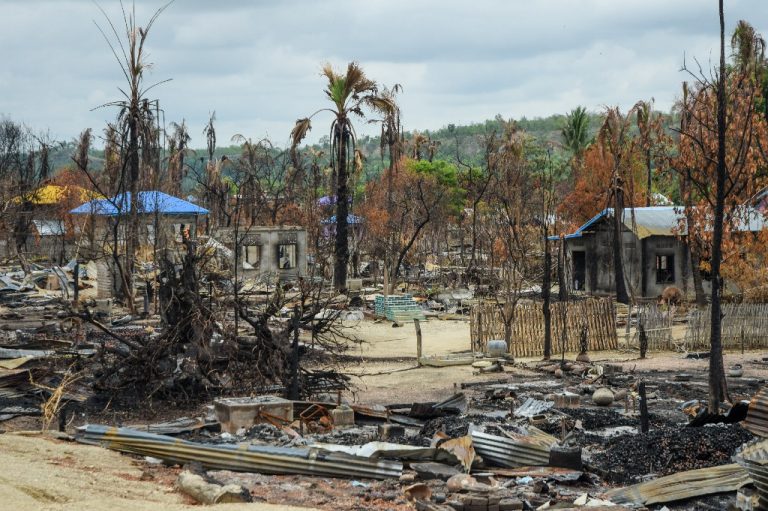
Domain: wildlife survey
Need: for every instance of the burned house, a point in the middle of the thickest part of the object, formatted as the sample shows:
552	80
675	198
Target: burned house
36	222
653	251
163	219
267	251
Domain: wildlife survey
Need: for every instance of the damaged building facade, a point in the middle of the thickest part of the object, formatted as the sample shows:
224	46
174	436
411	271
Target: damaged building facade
268	250
654	253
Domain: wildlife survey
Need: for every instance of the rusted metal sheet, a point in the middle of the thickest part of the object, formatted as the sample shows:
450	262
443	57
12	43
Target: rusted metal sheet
463	449
520	451
683	485
757	416
754	458
242	458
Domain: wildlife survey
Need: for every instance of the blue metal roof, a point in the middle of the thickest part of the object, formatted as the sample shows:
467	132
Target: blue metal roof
149	202
578	232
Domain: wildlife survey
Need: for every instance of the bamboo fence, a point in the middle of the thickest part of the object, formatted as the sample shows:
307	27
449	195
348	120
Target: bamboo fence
658	323
743	325
527	339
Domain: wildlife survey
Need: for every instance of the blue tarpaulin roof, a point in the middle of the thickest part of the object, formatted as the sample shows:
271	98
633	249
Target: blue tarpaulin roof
149	202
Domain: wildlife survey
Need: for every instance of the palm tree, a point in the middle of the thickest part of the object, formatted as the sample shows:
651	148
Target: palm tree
136	121
178	148
576	131
748	50
349	92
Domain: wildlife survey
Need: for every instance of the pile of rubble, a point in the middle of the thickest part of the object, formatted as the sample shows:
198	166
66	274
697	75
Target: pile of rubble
520	442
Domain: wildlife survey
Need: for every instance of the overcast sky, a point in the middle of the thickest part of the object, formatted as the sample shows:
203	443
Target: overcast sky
257	63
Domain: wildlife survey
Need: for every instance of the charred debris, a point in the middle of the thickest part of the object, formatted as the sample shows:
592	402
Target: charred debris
255	381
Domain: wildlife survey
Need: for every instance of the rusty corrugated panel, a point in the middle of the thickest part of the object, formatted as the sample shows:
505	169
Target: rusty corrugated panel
511	452
757	416
754	458
242	458
683	485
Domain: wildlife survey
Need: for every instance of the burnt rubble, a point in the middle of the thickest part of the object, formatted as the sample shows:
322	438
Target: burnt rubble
422	464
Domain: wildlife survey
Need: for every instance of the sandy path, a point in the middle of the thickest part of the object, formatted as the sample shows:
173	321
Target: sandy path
40	474
438	337
387	372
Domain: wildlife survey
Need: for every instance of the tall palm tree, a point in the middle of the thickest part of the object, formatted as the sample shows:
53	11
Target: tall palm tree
178	149
135	121
350	93
748	50
576	131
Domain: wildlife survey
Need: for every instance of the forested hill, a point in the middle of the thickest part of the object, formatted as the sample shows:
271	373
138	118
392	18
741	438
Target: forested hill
469	138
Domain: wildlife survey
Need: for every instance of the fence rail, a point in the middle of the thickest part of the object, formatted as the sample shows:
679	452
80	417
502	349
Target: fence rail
742	324
527	326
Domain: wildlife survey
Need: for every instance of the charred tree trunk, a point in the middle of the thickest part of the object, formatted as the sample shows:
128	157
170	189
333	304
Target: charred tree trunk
691	246
341	261
698	282
718	388
562	292
546	291
618	261
649	184
132	234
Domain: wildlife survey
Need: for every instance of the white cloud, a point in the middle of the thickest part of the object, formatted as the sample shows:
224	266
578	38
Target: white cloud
257	64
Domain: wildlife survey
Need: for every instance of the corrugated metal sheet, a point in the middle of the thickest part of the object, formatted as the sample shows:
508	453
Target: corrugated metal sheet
533	407
683	485
754	457
520	451
49	227
242	458
757	416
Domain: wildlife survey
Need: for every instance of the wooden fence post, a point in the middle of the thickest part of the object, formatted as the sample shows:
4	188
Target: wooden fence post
418	340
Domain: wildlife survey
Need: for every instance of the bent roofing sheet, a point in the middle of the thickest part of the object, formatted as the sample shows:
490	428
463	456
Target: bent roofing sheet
49	227
682	485
149	202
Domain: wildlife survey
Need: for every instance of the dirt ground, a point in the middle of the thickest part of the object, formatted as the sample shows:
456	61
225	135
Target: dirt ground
42	474
387	369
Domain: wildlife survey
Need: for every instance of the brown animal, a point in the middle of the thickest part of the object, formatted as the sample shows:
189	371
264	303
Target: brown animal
671	296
